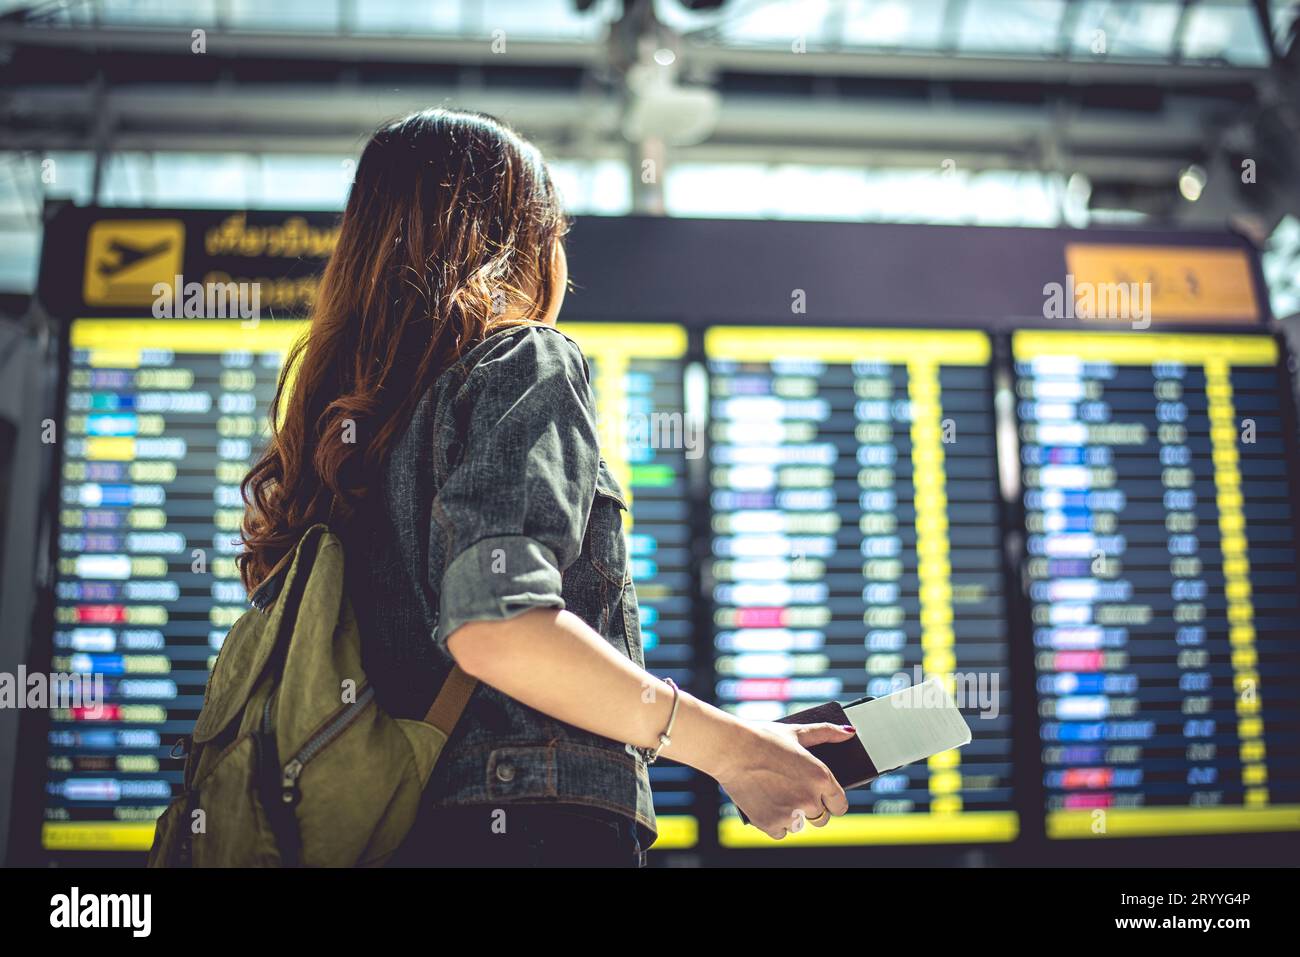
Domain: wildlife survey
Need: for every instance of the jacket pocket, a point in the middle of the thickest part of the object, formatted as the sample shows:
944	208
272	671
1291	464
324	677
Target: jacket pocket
606	546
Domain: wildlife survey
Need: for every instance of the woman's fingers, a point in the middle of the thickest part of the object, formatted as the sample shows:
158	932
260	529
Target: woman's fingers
832	803
794	788
834	799
816	811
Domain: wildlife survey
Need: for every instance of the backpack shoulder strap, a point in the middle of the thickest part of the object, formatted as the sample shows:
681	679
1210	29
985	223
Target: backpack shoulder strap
450	703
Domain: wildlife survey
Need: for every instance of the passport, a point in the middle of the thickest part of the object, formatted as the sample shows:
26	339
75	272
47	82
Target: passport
892	731
848	760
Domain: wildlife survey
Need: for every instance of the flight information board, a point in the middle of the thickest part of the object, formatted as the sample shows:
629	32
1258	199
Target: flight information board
1162	569
856	546
163	419
637	373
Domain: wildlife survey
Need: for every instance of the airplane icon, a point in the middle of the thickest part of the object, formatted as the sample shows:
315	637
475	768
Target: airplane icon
125	256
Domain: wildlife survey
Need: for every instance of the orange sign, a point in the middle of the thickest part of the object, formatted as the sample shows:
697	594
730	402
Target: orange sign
1178	283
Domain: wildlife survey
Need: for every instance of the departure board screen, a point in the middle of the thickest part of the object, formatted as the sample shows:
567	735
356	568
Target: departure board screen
163	419
637	373
1162	570
856	550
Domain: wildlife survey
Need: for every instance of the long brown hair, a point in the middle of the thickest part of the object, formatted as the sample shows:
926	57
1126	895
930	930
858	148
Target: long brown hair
449	230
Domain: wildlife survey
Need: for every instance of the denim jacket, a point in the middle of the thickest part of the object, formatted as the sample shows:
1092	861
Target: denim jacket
496	501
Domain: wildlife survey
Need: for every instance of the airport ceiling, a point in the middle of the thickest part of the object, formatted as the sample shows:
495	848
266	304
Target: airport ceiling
1126	93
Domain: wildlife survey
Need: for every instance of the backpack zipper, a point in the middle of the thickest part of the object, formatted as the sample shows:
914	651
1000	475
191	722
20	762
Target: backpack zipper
293	769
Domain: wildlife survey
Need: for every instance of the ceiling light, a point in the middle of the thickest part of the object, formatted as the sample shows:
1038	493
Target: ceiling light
1191	183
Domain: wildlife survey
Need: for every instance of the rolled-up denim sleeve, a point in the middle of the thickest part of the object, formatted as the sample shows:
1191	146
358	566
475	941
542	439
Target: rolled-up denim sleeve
512	514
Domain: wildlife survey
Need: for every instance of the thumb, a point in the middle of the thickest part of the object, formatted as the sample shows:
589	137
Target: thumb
824	733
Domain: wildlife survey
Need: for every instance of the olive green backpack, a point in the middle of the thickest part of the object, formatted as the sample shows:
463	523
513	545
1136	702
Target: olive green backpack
292	762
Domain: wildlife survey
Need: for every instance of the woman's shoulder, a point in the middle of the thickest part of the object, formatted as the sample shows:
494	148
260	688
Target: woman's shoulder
532	369
530	351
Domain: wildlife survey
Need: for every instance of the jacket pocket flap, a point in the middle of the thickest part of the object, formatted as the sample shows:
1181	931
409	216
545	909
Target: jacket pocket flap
608	486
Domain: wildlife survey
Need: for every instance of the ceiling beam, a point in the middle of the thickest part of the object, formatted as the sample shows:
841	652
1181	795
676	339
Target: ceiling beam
825	131
694	56
304	111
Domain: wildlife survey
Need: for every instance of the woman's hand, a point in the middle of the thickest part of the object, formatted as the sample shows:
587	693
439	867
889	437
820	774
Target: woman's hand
777	782
551	660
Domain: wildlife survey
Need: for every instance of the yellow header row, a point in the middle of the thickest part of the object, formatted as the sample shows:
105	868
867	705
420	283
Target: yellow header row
633	340
118	342
1134	348
766	343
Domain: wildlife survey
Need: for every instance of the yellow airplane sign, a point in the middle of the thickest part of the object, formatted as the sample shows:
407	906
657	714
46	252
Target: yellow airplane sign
126	257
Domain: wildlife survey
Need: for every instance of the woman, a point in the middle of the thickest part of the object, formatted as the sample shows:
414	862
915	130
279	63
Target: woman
442	422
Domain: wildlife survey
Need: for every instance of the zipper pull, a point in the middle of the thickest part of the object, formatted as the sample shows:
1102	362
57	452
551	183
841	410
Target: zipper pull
289	793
